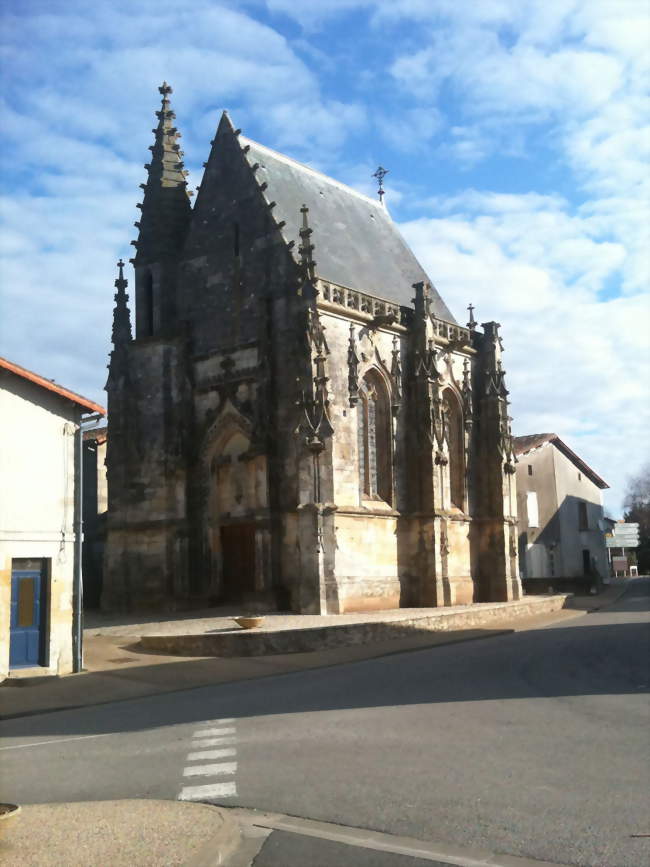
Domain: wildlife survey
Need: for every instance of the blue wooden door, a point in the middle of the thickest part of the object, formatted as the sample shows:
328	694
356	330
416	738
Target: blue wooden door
26	637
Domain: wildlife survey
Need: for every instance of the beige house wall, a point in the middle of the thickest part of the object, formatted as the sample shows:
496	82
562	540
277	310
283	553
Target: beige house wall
553	549
573	487
37	508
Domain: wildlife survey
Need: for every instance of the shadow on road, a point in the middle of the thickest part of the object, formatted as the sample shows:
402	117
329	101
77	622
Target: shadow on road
592	656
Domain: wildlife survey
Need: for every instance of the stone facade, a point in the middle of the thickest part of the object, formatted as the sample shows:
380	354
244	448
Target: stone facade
298	421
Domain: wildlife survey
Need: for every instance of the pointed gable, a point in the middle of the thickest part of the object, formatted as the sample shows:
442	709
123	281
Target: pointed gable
356	243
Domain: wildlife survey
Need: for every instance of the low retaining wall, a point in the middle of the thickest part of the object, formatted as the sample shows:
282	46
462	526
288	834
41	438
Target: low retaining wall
262	643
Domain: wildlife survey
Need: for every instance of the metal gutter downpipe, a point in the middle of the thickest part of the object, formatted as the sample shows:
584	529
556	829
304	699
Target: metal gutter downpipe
77	587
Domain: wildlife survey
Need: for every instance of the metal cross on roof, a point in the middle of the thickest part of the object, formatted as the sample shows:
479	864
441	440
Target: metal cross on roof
380	174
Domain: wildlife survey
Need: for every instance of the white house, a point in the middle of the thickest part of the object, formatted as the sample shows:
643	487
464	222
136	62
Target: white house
40	522
560	508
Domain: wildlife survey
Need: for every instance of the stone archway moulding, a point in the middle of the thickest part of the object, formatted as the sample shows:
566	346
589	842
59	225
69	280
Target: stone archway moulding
229	421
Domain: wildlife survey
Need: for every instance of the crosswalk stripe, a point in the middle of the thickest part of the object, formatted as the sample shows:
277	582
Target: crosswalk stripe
207	770
214	742
223	731
213	790
210	754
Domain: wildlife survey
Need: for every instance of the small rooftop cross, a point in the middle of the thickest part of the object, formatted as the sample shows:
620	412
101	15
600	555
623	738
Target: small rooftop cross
164	89
121	283
472	322
380	174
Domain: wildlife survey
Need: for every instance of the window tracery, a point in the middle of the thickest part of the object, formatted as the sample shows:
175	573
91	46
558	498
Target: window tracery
456	449
375	439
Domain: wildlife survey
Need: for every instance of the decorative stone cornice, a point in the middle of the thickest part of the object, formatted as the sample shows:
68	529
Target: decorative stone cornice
368	308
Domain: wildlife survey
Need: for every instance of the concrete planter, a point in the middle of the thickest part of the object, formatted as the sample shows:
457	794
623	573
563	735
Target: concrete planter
249	622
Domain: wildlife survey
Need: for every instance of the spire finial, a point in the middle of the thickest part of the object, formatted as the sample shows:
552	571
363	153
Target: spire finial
306	248
121	315
165	210
380	174
121	283
472	322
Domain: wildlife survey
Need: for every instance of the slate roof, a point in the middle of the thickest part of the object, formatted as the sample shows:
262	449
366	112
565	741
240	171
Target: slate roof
525	444
356	243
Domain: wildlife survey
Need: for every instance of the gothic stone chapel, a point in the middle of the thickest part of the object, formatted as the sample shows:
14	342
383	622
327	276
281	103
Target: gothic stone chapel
298	422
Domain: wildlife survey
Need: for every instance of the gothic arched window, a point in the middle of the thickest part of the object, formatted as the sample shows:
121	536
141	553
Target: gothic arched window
454	417
375	439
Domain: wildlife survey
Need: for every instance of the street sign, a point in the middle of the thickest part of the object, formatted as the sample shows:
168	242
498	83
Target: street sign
622	541
623	536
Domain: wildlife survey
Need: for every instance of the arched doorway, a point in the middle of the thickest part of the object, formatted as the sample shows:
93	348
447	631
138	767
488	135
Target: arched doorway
237	519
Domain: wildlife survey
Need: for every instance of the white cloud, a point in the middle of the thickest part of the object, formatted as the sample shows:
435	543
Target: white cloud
576	365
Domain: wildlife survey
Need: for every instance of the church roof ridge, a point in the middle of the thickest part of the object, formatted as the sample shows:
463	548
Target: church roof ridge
316	172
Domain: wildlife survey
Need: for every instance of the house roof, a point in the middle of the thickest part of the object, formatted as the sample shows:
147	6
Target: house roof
97	435
52	386
525	444
356	243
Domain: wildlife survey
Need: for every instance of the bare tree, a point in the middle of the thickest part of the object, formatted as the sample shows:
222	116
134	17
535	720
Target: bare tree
636	505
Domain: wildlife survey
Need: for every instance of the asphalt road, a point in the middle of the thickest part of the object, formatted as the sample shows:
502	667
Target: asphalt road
533	743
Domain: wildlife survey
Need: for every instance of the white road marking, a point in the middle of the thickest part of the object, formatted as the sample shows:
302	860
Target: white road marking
56	741
214	742
210	754
211	737
224	731
209	770
213	790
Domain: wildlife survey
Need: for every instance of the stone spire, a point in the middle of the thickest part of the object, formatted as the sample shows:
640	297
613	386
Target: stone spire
121	315
166	206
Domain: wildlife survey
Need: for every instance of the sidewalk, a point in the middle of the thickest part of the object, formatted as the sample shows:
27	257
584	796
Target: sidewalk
117	668
120	834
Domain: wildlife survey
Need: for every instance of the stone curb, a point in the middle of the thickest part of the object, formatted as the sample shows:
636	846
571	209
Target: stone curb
218	849
283	641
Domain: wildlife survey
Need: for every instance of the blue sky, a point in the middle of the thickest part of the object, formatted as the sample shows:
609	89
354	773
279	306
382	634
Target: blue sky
516	135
